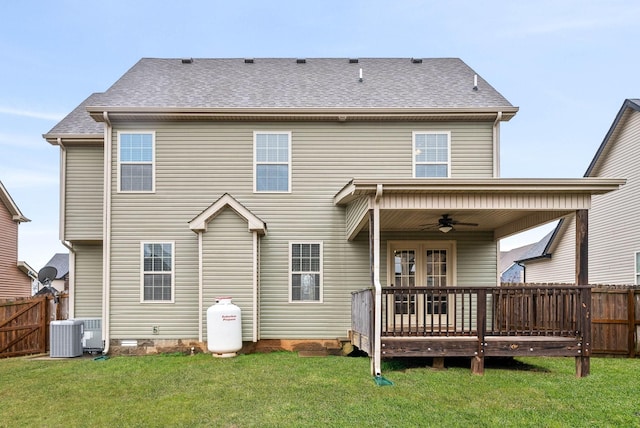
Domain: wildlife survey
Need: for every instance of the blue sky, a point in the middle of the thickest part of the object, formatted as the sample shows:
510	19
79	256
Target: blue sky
567	64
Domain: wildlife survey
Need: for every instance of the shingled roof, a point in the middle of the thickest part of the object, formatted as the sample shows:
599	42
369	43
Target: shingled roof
287	84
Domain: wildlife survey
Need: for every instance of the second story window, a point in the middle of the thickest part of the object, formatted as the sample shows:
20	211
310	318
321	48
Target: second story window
135	161
431	154
272	154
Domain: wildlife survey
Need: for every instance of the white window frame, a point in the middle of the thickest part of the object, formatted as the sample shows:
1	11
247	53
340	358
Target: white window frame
320	272
152	162
415	150
256	163
636	262
171	272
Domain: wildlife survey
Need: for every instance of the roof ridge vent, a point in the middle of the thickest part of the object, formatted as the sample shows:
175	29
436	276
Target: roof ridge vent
248	60
416	60
301	61
187	60
353	60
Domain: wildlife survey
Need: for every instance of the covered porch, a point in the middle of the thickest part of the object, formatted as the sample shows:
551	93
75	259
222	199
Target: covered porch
423	309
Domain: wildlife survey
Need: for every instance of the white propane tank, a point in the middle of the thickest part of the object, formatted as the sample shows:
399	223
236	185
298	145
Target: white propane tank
224	328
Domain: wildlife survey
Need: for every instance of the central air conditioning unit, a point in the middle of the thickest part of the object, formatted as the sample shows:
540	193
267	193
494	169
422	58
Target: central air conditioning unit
65	339
92	336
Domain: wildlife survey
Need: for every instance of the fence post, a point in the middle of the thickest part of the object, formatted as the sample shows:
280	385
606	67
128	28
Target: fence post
631	322
477	362
582	279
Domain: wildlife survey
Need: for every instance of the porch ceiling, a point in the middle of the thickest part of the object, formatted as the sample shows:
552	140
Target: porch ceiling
501	206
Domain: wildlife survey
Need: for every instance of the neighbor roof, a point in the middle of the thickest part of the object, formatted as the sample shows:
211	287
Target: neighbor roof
60	261
8	202
631	104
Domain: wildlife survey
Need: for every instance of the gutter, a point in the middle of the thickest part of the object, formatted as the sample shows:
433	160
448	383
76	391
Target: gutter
496	145
106	237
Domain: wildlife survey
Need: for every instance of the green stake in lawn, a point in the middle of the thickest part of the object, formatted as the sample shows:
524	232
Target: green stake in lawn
382	381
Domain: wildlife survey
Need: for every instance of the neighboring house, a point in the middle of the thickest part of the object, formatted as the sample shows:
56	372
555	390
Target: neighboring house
288	184
60	261
614	222
15	276
511	267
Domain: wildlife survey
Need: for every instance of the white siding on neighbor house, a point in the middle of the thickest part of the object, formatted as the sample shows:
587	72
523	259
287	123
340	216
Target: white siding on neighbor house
227	258
561	267
197	162
88	281
84	193
614	221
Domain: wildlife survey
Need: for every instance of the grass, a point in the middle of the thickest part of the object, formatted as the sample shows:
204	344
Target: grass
282	389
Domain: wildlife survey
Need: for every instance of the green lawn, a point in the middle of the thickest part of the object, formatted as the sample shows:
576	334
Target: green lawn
283	389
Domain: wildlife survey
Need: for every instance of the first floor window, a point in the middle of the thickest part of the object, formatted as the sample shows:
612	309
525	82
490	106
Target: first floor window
272	154
135	161
431	154
306	271
157	276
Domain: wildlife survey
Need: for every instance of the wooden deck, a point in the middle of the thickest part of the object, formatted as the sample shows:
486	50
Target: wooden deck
476	322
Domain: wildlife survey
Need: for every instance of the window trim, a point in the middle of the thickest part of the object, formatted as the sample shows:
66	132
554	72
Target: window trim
172	272
636	277
320	272
256	163
413	153
153	160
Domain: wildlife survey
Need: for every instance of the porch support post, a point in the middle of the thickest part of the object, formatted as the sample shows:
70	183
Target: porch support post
582	279
374	248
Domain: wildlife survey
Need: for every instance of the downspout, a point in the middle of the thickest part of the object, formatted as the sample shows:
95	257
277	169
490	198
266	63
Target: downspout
200	287
67	244
256	255
106	237
496	145
377	327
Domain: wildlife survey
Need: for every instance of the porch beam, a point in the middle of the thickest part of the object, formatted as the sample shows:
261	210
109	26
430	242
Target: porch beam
582	278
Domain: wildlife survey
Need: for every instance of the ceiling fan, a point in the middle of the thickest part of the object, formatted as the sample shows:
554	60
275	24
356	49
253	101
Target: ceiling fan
446	223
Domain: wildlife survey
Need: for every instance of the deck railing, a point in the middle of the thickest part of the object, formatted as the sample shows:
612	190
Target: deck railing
473	311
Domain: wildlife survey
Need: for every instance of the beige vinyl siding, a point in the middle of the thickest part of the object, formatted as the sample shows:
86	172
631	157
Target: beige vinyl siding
354	213
84	193
227	250
88	281
614	221
197	162
476	254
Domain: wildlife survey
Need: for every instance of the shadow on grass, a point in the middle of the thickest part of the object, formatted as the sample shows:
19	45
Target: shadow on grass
496	363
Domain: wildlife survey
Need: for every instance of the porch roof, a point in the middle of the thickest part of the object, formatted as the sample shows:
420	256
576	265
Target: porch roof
502	206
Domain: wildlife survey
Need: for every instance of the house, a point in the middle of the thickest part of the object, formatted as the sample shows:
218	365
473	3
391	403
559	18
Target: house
15	276
314	192
511	267
614	224
60	261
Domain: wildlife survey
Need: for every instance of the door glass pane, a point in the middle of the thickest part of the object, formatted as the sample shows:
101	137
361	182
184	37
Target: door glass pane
436	276
405	276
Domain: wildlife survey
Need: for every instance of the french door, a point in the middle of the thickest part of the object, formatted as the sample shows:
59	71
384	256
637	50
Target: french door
420	264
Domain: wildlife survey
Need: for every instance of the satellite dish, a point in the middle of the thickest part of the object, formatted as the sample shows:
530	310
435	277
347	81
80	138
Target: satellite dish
47	274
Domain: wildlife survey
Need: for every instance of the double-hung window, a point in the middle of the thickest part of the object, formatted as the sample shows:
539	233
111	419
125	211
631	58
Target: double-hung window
431	154
305	271
136	154
157	272
272	160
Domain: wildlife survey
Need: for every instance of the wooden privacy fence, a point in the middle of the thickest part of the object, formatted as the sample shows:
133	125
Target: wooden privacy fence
24	323
615	319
